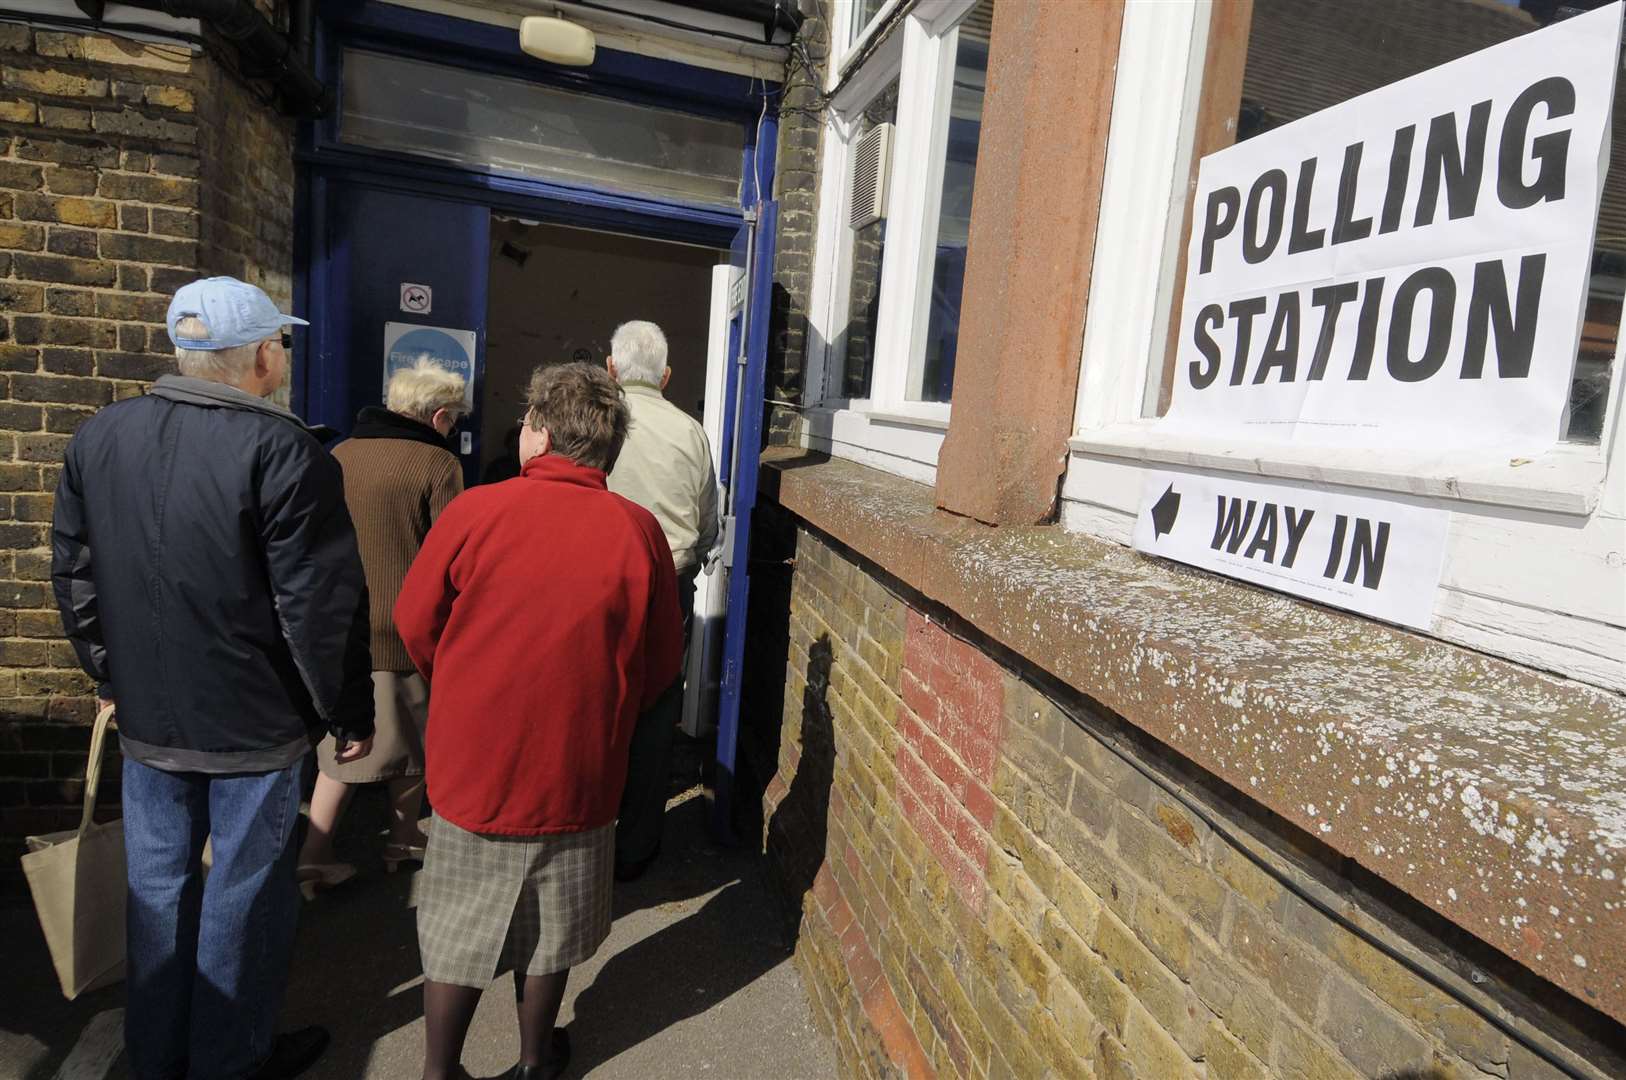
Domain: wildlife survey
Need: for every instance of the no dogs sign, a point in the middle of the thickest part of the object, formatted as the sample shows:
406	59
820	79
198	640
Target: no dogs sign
1408	268
417	299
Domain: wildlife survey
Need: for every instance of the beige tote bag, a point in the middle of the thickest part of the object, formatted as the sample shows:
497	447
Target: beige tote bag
77	879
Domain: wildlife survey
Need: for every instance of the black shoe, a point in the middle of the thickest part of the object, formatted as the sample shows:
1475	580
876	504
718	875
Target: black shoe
633	869
558	1061
293	1053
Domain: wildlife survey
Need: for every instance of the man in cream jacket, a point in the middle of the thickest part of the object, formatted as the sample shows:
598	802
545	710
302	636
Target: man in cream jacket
665	467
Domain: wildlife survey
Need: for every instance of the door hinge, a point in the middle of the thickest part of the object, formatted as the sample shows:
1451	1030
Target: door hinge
728	542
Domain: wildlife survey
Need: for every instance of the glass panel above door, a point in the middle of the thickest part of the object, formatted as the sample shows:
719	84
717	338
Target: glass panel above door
499	124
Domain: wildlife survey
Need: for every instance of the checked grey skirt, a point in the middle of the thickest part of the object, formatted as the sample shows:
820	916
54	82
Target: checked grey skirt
536	904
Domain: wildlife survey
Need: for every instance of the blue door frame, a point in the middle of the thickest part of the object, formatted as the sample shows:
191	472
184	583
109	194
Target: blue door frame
334	178
742	426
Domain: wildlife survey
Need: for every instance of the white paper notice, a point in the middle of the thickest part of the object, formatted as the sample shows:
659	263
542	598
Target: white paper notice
1407	269
1372	556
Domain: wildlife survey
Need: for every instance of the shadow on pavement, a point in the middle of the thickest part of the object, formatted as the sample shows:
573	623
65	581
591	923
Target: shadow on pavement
38	1027
689	966
356	968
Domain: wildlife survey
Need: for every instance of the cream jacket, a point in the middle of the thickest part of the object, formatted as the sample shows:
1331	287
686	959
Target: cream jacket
665	467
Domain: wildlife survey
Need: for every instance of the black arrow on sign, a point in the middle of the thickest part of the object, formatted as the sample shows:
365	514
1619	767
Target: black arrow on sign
1164	511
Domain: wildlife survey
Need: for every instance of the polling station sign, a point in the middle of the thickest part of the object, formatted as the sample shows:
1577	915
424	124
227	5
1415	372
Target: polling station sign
1407	269
1373	556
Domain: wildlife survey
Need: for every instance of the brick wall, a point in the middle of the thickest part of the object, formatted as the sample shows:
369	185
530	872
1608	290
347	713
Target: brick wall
801	124
125	171
997	878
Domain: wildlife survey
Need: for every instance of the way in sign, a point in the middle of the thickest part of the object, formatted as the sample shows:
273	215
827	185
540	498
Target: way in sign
1378	556
1283	528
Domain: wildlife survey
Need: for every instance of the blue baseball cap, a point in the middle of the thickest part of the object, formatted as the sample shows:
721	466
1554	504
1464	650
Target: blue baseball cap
235	312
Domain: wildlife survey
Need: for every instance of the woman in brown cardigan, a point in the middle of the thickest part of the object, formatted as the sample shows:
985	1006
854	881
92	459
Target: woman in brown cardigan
399	474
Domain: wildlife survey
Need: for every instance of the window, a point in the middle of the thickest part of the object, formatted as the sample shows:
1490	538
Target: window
1306	55
868	251
931	372
863	20
473	118
1532	562
898	175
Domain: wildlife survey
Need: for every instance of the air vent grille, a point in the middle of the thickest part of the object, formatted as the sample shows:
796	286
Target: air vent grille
871	170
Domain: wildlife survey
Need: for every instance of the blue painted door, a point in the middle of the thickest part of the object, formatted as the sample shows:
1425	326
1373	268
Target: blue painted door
742	440
372	244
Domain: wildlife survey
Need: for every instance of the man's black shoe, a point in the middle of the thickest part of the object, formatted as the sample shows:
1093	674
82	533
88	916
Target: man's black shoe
293	1053
558	1061
633	869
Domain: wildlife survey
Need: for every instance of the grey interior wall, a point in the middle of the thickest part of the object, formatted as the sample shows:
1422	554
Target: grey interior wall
556	294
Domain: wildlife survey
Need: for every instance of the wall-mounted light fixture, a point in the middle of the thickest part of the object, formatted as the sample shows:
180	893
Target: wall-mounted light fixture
557	41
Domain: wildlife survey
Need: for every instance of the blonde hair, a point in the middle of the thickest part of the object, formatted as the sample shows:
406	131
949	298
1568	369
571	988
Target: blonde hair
424	389
217	365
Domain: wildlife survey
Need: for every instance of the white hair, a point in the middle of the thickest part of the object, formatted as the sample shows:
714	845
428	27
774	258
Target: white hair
229	366
639	351
423	389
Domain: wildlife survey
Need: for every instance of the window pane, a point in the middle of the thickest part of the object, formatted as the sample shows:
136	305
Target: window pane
931	378
864	268
510	125
1304	55
864	12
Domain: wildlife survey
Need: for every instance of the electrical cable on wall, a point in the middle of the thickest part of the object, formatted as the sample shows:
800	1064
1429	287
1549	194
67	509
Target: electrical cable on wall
673	24
134	32
141	34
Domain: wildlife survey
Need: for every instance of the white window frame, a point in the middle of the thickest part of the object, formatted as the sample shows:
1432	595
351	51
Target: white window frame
1534	559
886	429
841	28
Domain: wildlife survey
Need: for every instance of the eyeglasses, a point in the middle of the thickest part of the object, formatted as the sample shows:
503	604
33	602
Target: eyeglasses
288	340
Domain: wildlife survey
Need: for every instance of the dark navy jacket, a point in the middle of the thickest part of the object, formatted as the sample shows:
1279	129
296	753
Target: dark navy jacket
207	574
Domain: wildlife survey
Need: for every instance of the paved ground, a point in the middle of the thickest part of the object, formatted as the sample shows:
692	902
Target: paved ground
694	981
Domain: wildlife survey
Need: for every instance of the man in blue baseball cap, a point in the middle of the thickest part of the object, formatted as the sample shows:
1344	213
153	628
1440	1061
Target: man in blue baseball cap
207	574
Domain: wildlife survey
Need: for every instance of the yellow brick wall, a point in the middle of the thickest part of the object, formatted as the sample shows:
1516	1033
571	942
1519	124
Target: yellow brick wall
1104	927
126	170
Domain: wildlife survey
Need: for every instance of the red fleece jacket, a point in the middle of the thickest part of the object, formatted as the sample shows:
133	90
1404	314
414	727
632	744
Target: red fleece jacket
543	611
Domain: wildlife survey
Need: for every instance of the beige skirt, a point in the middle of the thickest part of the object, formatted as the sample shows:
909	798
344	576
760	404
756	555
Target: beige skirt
535	904
400	713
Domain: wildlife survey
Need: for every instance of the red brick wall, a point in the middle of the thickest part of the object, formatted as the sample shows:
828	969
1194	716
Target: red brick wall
952	724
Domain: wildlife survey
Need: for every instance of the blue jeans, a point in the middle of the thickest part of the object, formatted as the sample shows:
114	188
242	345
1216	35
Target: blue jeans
207	961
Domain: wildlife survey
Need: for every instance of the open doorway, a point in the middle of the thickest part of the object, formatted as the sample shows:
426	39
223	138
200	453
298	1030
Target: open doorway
556	294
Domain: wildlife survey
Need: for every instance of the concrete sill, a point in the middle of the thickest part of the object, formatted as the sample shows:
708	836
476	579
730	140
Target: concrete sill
1492	793
931	423
1565	480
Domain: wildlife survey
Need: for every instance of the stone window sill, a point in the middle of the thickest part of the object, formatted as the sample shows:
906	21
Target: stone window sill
1488	791
1566	480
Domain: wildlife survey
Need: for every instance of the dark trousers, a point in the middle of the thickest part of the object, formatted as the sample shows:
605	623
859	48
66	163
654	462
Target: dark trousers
207	961
649	760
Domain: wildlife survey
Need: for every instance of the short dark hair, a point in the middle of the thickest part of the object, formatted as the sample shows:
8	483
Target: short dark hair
584	410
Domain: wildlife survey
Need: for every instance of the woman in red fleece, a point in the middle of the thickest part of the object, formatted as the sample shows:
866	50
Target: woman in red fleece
543	612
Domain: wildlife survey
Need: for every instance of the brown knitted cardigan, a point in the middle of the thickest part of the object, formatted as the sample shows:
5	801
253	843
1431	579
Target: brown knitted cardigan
398	476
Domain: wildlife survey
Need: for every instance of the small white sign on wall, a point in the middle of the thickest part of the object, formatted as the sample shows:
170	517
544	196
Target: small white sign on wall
1372	556
417	299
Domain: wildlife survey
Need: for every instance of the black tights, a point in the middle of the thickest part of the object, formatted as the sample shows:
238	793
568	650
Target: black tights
448	1010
